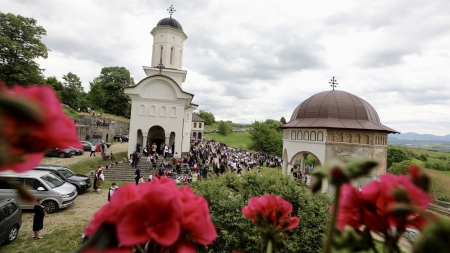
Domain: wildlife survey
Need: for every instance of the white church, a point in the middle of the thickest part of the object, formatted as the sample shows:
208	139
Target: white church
161	112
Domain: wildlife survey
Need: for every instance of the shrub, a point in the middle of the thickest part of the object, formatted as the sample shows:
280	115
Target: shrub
226	195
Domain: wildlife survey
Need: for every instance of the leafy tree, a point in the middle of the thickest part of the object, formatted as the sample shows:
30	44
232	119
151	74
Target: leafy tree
226	195
113	80
283	120
395	155
207	116
311	160
20	46
225	128
400	168
53	82
72	90
423	157
96	95
266	137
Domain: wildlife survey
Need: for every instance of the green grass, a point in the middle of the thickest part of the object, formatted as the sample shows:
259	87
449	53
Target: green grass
86	166
236	140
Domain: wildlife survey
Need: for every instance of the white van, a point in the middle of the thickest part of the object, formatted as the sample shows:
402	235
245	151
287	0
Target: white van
54	192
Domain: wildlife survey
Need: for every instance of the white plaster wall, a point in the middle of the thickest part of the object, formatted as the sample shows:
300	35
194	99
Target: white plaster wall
292	147
167	38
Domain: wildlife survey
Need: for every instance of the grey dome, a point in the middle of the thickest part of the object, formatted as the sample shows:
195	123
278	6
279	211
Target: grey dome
170	22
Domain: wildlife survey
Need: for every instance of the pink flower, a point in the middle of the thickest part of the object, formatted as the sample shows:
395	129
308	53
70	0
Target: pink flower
109	250
28	139
272	209
372	206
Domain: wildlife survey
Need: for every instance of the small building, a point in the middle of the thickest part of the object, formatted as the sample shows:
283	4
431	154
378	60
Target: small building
332	125
198	127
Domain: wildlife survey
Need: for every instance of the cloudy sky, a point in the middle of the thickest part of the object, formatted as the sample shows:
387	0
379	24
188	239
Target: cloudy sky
253	60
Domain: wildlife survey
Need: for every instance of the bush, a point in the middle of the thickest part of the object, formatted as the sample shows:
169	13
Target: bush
400	168
226	195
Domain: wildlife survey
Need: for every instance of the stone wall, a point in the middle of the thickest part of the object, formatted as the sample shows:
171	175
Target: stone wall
90	127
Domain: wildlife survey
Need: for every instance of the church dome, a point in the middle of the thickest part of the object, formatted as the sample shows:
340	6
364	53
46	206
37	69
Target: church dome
170	22
336	109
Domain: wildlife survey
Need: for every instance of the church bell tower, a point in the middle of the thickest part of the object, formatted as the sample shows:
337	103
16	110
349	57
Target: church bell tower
168	41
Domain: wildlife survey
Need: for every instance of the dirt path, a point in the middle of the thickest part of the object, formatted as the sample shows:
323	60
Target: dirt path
115	148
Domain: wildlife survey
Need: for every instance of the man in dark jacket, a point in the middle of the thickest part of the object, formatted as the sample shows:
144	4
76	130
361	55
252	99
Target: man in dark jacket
135	159
137	175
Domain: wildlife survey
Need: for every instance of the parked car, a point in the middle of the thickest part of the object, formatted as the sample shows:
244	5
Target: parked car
81	182
123	136
54	192
10	220
77	151
60	152
98	141
86	145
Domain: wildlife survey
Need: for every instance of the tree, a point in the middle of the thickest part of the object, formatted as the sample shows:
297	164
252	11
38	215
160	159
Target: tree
96	95
283	120
20	46
207	116
53	82
395	155
225	128
72	90
112	81
266	137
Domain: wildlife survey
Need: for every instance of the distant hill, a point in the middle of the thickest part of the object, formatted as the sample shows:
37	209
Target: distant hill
418	137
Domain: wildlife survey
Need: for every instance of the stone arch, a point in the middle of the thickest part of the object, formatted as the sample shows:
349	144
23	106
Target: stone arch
156	135
355	138
320	136
293	135
364	139
173	112
199	135
152	111
162	112
299	135
347	138
338	137
303	154
306	136
141	109
194	134
313	136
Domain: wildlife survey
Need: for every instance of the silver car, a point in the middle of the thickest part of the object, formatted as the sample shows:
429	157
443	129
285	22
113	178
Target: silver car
54	192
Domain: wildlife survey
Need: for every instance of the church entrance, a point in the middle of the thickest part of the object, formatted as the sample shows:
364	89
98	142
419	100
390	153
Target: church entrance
156	135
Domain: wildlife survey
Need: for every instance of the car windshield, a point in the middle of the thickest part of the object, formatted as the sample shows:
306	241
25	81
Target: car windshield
66	172
52	181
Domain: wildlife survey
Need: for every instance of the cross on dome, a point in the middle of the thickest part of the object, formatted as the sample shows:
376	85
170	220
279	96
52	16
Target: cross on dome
333	83
171	10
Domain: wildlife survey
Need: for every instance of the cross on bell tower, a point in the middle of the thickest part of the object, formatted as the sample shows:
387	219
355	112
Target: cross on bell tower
333	83
171	10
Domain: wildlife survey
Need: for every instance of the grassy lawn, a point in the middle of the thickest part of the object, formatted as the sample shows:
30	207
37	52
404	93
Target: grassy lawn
236	140
89	165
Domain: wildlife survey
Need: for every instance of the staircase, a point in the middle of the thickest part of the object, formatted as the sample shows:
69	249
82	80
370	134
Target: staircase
123	172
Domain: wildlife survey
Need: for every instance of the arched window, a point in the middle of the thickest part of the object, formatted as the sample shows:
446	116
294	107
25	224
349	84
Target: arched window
171	55
306	136
163	111
293	135
173	112
199	125
320	136
313	136
338	137
195	125
299	135
152	111
161	55
141	110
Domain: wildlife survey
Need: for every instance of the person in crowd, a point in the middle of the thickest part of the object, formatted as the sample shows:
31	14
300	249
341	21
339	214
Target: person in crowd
100	179
112	190
93	148
120	139
141	180
154	148
150	177
38	219
138	147
135	159
149	163
137	175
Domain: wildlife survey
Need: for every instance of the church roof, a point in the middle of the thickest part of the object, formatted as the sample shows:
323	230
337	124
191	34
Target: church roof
170	22
196	118
336	109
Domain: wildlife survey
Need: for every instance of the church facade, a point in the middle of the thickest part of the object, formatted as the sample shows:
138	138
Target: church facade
161	111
